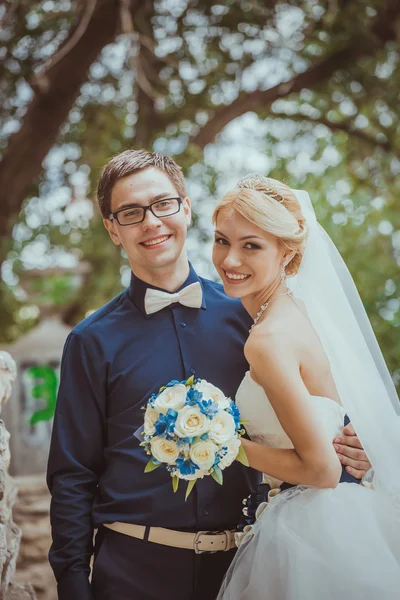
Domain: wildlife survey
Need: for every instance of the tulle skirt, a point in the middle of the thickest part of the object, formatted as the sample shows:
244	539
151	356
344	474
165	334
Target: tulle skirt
312	544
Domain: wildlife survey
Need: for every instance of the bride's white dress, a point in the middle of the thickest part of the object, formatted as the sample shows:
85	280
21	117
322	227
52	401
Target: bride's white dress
309	543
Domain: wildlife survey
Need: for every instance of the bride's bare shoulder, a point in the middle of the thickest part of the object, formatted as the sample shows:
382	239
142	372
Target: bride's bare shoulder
284	331
268	341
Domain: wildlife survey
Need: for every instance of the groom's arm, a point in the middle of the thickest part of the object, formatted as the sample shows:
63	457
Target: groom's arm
75	464
351	453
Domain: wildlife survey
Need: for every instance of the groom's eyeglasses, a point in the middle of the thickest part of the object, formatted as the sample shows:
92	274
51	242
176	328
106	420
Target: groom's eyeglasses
137	214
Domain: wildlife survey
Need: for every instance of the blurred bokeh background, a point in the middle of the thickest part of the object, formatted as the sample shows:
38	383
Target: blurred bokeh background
306	91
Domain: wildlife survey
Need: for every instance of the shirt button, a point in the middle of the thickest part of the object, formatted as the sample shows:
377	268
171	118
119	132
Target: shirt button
183	324
205	512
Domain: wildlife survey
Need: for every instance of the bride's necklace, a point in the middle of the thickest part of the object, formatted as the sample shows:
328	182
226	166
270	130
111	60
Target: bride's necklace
265	306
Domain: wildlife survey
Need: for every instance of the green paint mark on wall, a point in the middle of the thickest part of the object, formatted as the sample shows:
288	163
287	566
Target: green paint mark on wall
45	385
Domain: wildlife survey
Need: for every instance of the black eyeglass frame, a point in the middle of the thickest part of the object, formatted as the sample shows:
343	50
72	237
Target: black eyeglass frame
145	209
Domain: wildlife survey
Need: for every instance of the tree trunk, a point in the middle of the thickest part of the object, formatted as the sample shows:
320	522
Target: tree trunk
55	91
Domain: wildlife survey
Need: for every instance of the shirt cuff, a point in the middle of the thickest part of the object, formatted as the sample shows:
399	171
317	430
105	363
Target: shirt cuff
75	585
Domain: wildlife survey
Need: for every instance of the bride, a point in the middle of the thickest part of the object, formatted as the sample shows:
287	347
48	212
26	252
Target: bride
313	358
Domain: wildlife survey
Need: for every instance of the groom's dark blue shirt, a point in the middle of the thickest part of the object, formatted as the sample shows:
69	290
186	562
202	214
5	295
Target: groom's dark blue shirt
112	362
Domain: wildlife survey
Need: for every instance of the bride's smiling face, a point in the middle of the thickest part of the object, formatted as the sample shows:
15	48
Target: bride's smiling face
247	258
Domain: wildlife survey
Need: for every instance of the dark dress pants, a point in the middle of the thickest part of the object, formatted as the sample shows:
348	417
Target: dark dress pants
129	569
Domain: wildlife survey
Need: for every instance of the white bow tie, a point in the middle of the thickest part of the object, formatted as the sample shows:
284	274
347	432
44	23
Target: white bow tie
156	300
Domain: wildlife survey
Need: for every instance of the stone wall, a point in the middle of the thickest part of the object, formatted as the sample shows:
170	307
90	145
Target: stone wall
31	514
10	533
28	413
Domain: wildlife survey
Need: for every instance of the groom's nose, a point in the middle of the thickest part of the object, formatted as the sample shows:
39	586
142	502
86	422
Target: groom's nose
150	221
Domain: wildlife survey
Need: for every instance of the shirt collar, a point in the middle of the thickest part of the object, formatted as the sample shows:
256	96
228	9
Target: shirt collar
137	289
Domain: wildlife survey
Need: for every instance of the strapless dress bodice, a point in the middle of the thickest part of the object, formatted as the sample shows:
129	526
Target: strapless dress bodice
263	425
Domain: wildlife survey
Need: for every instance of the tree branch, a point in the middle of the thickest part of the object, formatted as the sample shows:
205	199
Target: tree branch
49	108
345	126
134	54
10	13
383	30
41	78
148	67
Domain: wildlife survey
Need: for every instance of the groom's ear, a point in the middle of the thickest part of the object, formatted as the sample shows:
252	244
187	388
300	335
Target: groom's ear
110	226
187	209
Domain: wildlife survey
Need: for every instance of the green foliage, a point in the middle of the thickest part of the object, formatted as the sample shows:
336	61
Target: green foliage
217	475
188	61
175	483
189	488
242	457
151	466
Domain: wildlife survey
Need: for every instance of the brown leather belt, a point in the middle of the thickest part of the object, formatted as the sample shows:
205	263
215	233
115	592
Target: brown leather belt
200	542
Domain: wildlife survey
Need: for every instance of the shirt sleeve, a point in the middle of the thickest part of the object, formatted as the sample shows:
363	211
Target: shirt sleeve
75	464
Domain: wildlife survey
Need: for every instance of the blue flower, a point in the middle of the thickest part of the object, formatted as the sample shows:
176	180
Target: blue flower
161	425
193	397
220	455
186	466
188	440
235	412
152	399
165	424
208	408
172	383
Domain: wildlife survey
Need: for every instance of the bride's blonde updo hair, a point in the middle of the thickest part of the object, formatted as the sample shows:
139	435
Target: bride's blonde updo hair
274	208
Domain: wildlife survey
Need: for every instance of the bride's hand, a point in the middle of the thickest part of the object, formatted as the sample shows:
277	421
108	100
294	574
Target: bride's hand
350	452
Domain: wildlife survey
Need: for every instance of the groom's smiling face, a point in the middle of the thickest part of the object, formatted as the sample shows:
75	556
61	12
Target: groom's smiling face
156	243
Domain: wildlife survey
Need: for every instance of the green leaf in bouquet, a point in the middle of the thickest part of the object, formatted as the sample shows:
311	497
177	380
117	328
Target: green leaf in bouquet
175	483
242	457
151	466
190	381
244	421
189	488
143	444
164	387
217	475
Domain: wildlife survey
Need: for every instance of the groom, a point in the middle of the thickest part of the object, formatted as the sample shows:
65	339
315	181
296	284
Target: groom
150	543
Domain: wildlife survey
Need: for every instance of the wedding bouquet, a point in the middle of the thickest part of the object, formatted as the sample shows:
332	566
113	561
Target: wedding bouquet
193	429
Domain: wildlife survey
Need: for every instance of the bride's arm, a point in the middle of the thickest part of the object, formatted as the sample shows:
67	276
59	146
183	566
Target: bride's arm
313	461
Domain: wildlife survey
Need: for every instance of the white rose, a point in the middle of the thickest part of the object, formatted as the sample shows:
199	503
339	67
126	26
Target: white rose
210	392
222	428
203	454
191	422
166	451
172	397
150	417
231	448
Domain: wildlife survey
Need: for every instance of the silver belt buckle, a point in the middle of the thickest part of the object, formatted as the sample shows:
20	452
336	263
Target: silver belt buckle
229	535
197	541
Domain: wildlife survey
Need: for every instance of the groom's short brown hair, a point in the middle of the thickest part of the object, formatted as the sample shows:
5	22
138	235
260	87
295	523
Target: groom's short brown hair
130	162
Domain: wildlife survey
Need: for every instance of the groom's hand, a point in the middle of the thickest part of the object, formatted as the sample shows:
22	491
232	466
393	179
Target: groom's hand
350	452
